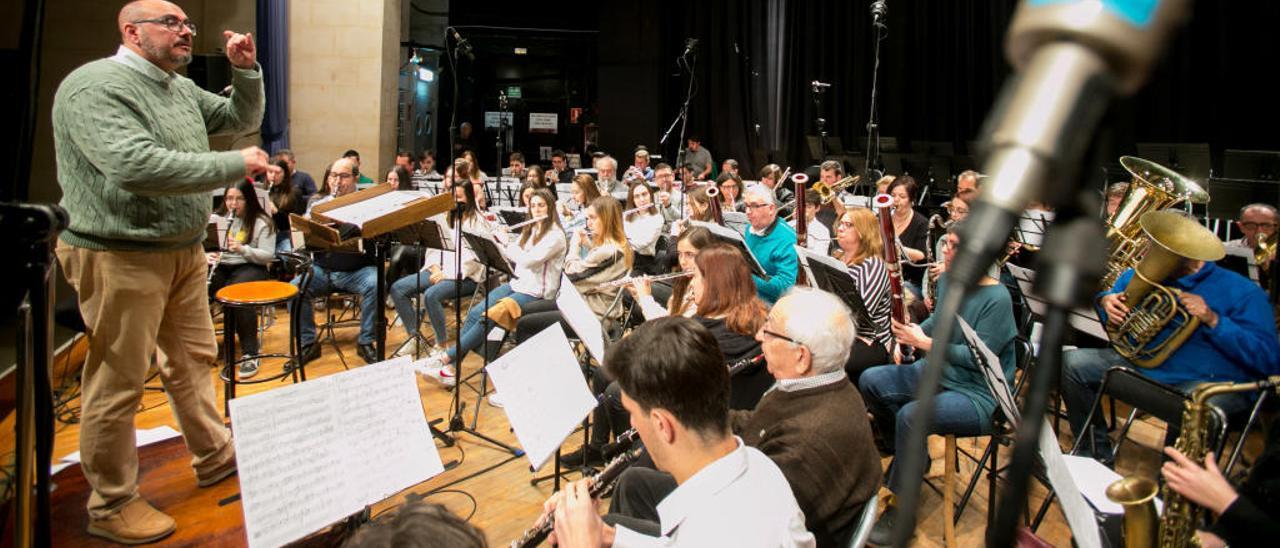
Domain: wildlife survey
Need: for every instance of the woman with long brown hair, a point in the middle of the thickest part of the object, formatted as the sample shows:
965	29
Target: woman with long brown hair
250	246
643	228
858	235
729	308
286	199
684	294
584	192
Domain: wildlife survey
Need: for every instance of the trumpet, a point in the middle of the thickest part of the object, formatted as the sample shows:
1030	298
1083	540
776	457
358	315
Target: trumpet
828	193
626	280
523	224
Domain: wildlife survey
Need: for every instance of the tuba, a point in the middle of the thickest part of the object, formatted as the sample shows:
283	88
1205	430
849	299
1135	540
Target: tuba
1154	187
1177	527
1153	307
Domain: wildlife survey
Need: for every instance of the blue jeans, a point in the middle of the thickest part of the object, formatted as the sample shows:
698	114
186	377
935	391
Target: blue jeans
433	297
1082	372
473	332
890	394
363	282
284	243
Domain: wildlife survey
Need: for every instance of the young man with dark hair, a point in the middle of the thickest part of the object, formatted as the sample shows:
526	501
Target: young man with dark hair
405	160
362	181
515	166
301	179
560	172
728	494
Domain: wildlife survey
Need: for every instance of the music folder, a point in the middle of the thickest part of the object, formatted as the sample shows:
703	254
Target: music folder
735	239
832	276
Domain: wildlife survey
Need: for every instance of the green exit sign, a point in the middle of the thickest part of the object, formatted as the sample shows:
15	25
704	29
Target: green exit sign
513	92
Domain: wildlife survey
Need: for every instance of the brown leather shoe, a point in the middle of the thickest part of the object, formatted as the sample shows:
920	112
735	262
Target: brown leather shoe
136	523
218	475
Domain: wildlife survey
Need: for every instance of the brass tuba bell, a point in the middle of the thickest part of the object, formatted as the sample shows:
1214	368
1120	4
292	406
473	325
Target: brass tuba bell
1172	238
1154	187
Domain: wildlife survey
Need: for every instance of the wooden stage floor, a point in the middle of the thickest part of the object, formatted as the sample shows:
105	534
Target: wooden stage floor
502	502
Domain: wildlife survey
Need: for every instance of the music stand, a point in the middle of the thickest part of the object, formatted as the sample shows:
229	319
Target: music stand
832	276
425	234
490	255
735	239
1262	165
376	211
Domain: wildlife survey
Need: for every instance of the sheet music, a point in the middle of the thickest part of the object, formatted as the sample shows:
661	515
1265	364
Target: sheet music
142	438
1079	517
580	317
310	454
362	212
1032	226
543	392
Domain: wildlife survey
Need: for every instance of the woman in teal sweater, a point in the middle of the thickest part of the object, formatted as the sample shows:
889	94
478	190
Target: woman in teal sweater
964	405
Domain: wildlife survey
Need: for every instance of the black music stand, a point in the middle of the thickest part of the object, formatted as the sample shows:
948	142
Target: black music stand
735	239
838	282
489	255
426	234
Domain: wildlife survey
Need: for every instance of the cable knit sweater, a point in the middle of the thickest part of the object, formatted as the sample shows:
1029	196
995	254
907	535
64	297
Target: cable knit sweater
821	441
132	150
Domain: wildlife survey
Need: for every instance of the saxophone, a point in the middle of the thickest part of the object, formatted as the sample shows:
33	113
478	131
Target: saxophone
1177	527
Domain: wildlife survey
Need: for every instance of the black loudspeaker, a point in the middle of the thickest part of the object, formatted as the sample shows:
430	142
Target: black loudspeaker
210	71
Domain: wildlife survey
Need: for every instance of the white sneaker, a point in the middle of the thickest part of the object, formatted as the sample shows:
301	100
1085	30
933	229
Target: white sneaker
495	400
409	348
248	369
446	376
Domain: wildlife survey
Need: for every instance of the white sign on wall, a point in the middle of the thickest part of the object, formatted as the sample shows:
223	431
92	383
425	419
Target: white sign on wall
543	122
491	119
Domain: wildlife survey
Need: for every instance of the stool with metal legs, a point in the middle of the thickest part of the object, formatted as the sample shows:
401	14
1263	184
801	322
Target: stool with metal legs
257	295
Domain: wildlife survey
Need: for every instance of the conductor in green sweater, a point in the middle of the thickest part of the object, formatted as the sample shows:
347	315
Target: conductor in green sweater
132	146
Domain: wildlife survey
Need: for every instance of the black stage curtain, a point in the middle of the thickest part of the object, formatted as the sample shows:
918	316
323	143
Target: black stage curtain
942	65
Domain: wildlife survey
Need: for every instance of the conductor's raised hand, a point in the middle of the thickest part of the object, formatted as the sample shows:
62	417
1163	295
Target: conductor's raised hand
255	160
241	50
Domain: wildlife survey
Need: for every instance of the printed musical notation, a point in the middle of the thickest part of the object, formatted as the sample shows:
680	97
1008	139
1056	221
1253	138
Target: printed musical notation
313	453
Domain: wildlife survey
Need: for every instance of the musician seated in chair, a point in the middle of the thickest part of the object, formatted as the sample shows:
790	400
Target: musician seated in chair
727	494
803	423
1235	341
343	271
773	243
643	227
965	405
771	176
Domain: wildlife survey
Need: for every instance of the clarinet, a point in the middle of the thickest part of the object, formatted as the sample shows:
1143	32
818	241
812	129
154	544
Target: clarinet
898	307
222	249
738	366
936	224
601	484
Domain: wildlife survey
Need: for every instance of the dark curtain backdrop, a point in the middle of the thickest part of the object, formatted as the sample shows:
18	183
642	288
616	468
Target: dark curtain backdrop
942	64
273	55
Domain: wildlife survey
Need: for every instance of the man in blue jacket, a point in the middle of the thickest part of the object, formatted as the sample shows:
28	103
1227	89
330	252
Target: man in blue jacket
1235	342
772	242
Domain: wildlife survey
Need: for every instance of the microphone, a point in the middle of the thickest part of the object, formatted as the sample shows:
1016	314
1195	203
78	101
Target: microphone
819	87
879	11
689	46
464	47
1071	60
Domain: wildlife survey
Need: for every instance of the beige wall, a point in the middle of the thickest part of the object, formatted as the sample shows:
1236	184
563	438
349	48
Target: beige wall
343	57
79	31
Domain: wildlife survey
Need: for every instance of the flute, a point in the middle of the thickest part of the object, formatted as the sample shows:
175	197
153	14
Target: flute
527	223
628	279
636	210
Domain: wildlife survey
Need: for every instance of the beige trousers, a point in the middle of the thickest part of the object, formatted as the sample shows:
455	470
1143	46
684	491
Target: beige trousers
135	303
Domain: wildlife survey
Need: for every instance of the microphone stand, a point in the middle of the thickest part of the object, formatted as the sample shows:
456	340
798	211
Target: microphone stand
500	144
683	119
878	14
820	122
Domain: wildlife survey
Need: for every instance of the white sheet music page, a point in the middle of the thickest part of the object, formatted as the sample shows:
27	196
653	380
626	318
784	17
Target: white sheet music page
543	392
361	212
579	316
313	453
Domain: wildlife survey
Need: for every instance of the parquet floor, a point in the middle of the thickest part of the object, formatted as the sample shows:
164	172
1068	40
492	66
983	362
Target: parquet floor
501	502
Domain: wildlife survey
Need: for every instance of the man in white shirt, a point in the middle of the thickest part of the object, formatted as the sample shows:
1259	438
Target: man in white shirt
728	494
1256	222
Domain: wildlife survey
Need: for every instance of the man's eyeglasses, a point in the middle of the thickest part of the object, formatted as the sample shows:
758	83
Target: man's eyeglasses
341	176
170	22
765	329
749	205
1254	226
